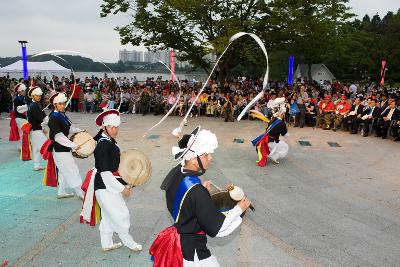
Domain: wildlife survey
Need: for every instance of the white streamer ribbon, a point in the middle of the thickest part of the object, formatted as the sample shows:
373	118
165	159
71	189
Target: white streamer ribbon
261	94
173	106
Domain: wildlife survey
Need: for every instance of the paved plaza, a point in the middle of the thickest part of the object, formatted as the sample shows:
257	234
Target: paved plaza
321	206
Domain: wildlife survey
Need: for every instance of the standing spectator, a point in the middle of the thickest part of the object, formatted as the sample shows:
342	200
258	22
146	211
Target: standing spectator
75	95
227	111
302	98
145	101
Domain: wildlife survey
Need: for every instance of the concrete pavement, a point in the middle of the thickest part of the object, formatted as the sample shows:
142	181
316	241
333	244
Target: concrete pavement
322	206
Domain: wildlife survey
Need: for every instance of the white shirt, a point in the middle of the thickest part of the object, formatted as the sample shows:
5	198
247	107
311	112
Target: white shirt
89	97
353	88
125	97
390	114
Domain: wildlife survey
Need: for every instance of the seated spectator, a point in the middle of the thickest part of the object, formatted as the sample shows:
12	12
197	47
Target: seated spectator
368	116
227	110
125	101
326	109
310	112
89	99
180	107
342	109
389	117
355	113
195	103
211	105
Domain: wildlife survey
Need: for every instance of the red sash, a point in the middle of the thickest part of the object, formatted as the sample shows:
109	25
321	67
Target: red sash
166	249
262	151
26	152
95	215
14	135
50	175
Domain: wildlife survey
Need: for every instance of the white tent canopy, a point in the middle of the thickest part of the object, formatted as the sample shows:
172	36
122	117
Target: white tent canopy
36	67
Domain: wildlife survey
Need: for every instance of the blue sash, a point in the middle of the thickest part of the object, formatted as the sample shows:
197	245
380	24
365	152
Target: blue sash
29	109
273	125
61	117
255	141
187	183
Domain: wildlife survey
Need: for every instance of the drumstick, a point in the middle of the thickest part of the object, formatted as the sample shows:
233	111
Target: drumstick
219	189
130	186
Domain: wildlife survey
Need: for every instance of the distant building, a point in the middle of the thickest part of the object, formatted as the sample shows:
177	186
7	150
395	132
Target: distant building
154	57
130	56
318	72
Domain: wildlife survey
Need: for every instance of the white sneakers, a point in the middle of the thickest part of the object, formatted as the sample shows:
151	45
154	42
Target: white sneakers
65	195
113	247
273	160
40	168
137	247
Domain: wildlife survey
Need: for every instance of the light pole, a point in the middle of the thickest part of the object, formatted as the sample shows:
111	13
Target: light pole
24	59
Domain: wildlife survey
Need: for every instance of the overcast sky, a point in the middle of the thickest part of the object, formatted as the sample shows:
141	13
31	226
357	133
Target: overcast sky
76	25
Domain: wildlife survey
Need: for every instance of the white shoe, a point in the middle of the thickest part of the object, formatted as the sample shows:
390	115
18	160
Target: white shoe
273	160
136	247
65	195
40	168
113	247
79	193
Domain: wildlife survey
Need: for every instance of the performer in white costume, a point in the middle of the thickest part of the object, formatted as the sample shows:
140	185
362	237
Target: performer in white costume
104	182
20	106
60	128
37	118
190	204
277	148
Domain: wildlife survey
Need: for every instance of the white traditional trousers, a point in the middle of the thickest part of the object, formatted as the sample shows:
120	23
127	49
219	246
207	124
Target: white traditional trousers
278	150
209	262
114	218
68	172
37	140
19	122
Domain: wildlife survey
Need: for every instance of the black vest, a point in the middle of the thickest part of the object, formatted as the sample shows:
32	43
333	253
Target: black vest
59	123
35	116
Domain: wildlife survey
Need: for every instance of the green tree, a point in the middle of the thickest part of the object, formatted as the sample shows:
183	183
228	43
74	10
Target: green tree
196	28
306	28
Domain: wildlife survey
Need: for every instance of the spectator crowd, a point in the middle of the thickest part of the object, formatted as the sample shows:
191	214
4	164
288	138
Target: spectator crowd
357	108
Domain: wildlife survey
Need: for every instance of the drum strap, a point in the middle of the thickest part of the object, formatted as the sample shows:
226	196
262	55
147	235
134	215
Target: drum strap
187	183
61	117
